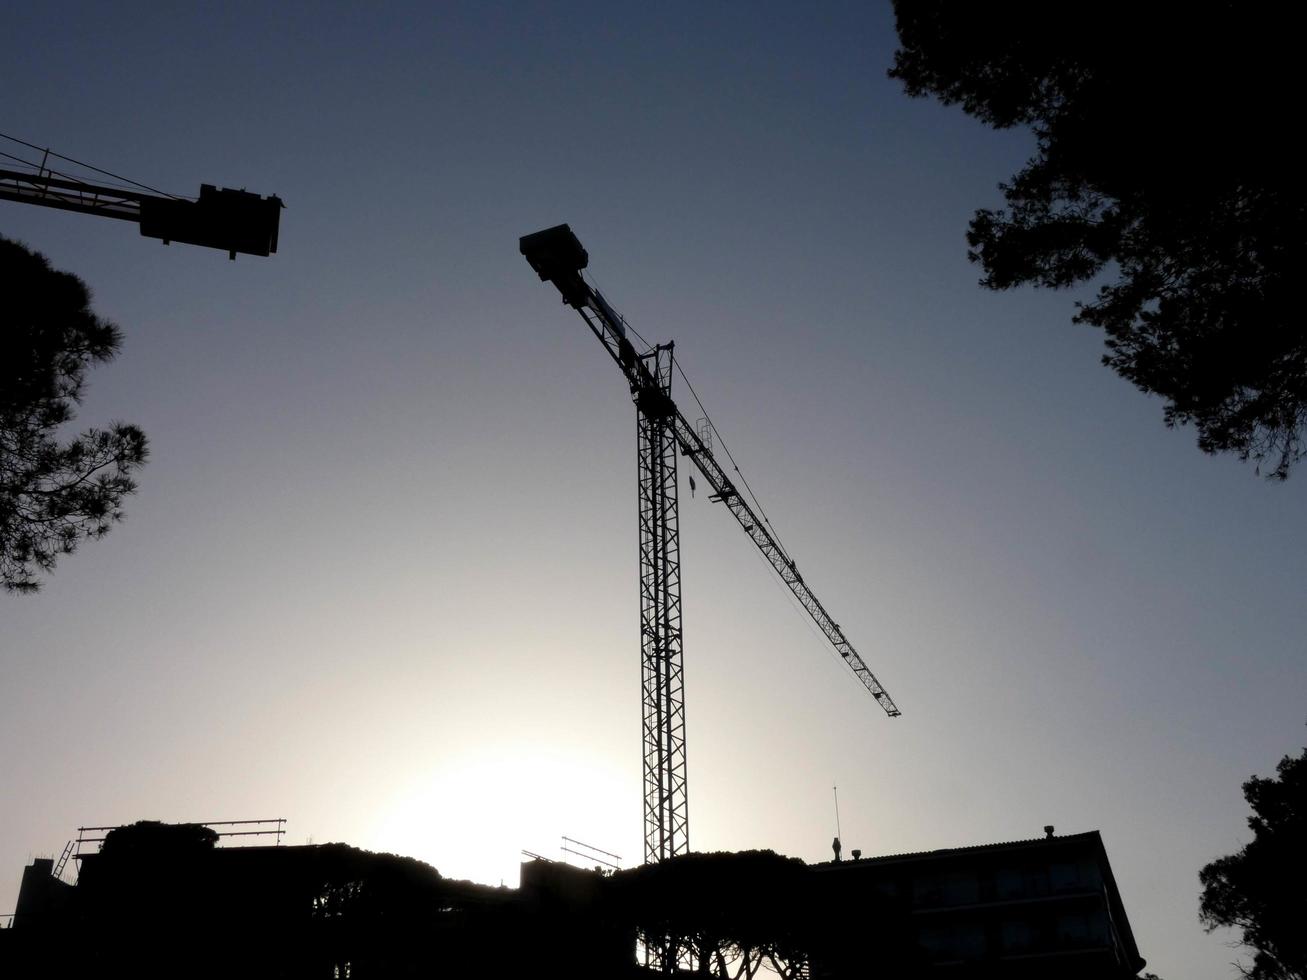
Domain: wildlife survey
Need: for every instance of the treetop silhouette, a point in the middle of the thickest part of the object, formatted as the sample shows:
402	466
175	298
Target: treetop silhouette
53	494
1164	172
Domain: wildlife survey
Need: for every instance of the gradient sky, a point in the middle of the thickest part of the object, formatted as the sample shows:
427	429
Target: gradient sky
380	576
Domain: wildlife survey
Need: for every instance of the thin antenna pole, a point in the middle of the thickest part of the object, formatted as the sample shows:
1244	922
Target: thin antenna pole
836	791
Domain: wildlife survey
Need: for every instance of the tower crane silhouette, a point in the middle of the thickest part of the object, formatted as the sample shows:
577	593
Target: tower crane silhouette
557	256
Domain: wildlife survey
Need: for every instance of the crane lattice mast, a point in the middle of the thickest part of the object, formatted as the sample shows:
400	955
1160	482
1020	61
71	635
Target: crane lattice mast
557	256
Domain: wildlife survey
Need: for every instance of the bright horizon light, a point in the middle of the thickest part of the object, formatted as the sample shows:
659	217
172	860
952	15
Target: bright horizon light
472	817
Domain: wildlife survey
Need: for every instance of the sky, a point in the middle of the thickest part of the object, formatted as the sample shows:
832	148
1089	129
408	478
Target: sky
380	575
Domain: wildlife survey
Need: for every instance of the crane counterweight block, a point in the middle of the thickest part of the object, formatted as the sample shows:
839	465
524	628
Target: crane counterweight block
230	220
558	256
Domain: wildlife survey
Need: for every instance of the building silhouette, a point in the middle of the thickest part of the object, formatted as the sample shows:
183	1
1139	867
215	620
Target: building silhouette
1047	907
166	900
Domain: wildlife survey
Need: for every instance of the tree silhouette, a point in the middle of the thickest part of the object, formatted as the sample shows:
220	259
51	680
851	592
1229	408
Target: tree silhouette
1259	890
53	494
739	914
1163	170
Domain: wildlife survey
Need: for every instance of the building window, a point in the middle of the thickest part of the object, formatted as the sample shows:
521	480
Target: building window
1064	877
1008	883
1018	936
957	941
1036	882
960	889
1073	930
927	891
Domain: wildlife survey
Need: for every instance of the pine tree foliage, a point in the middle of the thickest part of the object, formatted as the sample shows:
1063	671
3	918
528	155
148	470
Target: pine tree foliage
55	492
1165	172
1259	890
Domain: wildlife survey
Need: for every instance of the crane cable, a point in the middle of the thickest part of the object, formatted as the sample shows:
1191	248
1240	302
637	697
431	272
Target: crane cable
126	181
711	424
804	613
727	449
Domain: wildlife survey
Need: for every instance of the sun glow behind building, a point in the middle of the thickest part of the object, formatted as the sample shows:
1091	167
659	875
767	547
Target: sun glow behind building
472	819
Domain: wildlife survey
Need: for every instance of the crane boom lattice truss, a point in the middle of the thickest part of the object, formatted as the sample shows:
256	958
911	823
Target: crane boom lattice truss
558	257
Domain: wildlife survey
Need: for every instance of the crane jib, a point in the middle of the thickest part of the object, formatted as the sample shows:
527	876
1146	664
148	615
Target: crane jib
558	256
232	221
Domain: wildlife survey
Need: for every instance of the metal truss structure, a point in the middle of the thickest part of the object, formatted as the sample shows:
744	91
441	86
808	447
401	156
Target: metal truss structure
558	257
230	220
666	807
